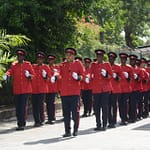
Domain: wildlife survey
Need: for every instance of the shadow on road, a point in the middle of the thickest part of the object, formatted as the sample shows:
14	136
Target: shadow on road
11	130
60	139
8	131
145	127
49	141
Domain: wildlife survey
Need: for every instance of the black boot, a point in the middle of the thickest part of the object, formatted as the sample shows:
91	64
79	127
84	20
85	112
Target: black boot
67	134
75	132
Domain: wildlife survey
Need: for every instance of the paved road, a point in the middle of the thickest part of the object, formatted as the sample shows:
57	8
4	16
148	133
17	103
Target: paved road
132	137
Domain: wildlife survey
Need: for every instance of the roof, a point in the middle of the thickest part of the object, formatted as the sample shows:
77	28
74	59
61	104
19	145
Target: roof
144	50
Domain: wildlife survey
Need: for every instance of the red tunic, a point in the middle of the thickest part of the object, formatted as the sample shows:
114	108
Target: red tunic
39	84
86	86
101	84
21	84
53	87
137	84
68	85
148	71
126	85
116	83
145	80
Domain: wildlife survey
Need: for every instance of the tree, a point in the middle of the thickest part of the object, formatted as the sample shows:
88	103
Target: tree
50	24
8	45
137	21
108	15
115	16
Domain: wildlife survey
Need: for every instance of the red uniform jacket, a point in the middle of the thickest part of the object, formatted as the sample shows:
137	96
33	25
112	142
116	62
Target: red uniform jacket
39	84
84	85
21	84
148	71
53	87
68	85
101	84
145	80
116	83
126	85
137	84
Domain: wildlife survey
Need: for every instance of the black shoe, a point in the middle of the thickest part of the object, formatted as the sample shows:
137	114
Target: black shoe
139	118
67	134
84	115
97	129
124	123
131	121
42	123
37	124
20	128
50	122
145	116
93	114
103	128
111	126
75	133
89	114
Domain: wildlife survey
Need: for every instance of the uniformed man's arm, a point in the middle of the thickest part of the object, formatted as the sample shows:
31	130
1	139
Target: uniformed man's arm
8	73
29	73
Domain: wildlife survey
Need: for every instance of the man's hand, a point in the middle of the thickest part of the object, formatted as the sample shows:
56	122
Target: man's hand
5	77
44	74
87	79
104	73
53	79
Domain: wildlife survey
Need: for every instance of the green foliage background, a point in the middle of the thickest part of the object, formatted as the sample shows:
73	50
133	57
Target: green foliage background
53	25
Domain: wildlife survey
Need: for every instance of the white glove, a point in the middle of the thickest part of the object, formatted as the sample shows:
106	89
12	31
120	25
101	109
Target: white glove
27	73
92	76
44	73
53	79
135	76
103	72
5	77
114	75
56	73
75	75
87	80
126	74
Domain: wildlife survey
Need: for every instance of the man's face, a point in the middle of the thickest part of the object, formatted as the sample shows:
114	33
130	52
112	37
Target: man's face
100	58
123	60
132	62
51	61
111	59
69	57
20	57
87	64
40	60
143	65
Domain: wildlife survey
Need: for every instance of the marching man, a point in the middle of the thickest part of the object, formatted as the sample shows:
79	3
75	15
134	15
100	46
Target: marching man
71	73
22	73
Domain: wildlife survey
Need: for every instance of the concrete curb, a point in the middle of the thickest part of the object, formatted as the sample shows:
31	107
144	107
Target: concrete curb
6	113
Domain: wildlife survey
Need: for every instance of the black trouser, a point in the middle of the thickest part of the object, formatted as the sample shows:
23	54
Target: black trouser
140	105
21	108
133	100
112	108
123	106
145	103
70	106
101	102
38	108
87	101
50	105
